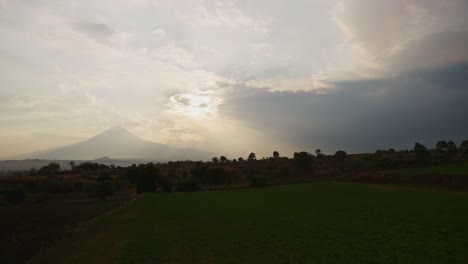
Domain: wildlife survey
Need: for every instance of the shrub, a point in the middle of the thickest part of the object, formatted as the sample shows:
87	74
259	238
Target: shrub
104	177
215	176
166	183
259	181
199	172
104	189
422	153
49	170
122	182
54	186
30	186
145	176
188	185
14	196
146	183
233	176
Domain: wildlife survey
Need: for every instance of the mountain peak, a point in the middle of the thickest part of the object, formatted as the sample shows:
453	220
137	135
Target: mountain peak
116	129
115	134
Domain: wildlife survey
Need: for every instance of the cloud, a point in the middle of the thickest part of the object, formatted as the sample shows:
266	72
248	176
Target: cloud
316	82
3	4
95	30
361	116
174	54
391	37
228	15
432	51
159	32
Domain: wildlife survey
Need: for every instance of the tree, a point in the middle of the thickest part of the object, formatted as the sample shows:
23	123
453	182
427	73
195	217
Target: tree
240	159
50	169
72	165
302	159
341	155
32	171
276	154
252	157
318	153
215	176
146	177
451	147
215	159
441	146
88	166
421	151
199	171
464	147
223	159
259	181
188	185
166	183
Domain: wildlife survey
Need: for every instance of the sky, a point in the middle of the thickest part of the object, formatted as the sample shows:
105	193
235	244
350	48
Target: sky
234	77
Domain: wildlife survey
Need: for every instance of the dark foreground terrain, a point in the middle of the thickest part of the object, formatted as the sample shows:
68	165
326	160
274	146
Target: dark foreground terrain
28	228
303	223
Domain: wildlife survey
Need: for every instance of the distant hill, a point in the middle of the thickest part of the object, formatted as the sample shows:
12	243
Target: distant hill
26	164
117	143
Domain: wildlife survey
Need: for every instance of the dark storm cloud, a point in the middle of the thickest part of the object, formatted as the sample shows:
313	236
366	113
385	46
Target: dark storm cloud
362	115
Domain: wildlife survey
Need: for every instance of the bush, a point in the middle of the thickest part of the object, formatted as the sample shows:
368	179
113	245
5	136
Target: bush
233	177
103	177
49	170
215	176
166	183
145	183
14	196
104	189
145	176
199	171
259	181
54	186
188	185
122	182
30	186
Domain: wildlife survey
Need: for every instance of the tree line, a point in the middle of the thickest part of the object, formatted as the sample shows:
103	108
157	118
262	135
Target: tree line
221	171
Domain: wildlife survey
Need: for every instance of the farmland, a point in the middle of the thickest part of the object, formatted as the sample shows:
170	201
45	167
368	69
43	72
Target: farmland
302	223
452	169
28	228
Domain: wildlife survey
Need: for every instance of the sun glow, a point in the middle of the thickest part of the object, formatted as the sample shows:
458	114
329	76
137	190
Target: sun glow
195	105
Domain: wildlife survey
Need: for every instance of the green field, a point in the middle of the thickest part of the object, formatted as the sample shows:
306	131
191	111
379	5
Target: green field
456	169
304	223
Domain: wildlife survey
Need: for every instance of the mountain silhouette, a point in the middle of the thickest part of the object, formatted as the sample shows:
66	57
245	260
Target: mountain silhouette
118	143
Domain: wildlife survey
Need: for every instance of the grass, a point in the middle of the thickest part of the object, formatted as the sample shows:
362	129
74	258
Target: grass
456	169
304	223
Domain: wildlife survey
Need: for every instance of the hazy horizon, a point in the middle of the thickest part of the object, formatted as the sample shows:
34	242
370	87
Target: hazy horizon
234	77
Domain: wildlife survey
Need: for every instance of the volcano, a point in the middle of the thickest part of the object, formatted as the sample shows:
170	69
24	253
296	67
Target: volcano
118	143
